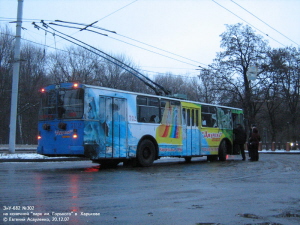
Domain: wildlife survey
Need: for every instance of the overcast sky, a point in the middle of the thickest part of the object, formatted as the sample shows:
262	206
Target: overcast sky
190	29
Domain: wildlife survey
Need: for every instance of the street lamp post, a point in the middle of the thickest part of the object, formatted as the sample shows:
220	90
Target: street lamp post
15	81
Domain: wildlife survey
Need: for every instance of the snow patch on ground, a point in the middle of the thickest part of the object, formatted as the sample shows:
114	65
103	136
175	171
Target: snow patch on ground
24	156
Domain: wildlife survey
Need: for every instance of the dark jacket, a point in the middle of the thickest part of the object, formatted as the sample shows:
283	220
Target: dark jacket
240	135
254	138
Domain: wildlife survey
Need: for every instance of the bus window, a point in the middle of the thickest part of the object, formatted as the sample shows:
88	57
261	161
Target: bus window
188	118
224	118
209	116
193	118
148	109
237	119
48	106
141	100
62	104
197	117
153	102
72	104
184	116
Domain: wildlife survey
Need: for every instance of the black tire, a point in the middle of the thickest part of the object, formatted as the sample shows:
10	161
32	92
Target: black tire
222	151
188	159
145	153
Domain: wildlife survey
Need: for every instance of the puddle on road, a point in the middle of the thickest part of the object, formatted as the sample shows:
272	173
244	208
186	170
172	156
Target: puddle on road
208	224
249	215
288	214
196	207
265	223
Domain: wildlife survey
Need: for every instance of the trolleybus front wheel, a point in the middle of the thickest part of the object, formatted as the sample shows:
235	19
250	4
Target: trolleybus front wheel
222	151
146	153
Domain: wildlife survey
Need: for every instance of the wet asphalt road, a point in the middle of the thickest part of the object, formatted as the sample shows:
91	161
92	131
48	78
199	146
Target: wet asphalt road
169	192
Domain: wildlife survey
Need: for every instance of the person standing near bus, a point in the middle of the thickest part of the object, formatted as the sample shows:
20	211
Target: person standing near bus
254	140
240	138
248	143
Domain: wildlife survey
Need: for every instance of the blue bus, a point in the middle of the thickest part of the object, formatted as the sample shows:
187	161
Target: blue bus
110	126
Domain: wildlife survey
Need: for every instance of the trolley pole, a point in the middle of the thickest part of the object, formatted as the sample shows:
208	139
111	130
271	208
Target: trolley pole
15	81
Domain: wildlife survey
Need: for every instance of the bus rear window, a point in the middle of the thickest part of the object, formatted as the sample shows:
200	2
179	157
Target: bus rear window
62	104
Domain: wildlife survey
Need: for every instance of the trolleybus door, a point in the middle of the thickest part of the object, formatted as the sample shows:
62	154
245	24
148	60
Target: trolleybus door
113	122
192	145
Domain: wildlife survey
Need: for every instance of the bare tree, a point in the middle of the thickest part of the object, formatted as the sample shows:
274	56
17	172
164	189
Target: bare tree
6	56
74	64
285	65
78	64
208	92
242	49
32	77
175	84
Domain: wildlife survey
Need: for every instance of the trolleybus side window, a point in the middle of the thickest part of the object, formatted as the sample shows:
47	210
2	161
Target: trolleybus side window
188	119
193	117
184	116
197	117
237	118
224	118
209	116
148	109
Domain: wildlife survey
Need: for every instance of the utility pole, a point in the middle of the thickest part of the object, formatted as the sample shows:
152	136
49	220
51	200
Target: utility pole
15	81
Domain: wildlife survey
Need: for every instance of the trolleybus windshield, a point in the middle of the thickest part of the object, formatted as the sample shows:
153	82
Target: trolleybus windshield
61	104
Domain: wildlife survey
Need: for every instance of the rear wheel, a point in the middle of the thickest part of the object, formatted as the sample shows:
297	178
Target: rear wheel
222	151
188	159
146	153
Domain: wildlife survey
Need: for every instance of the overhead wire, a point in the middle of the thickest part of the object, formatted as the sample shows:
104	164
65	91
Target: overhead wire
153	73
66	51
112	13
124	41
154	52
90	25
247	22
106	56
162	49
264	22
173	75
96	27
